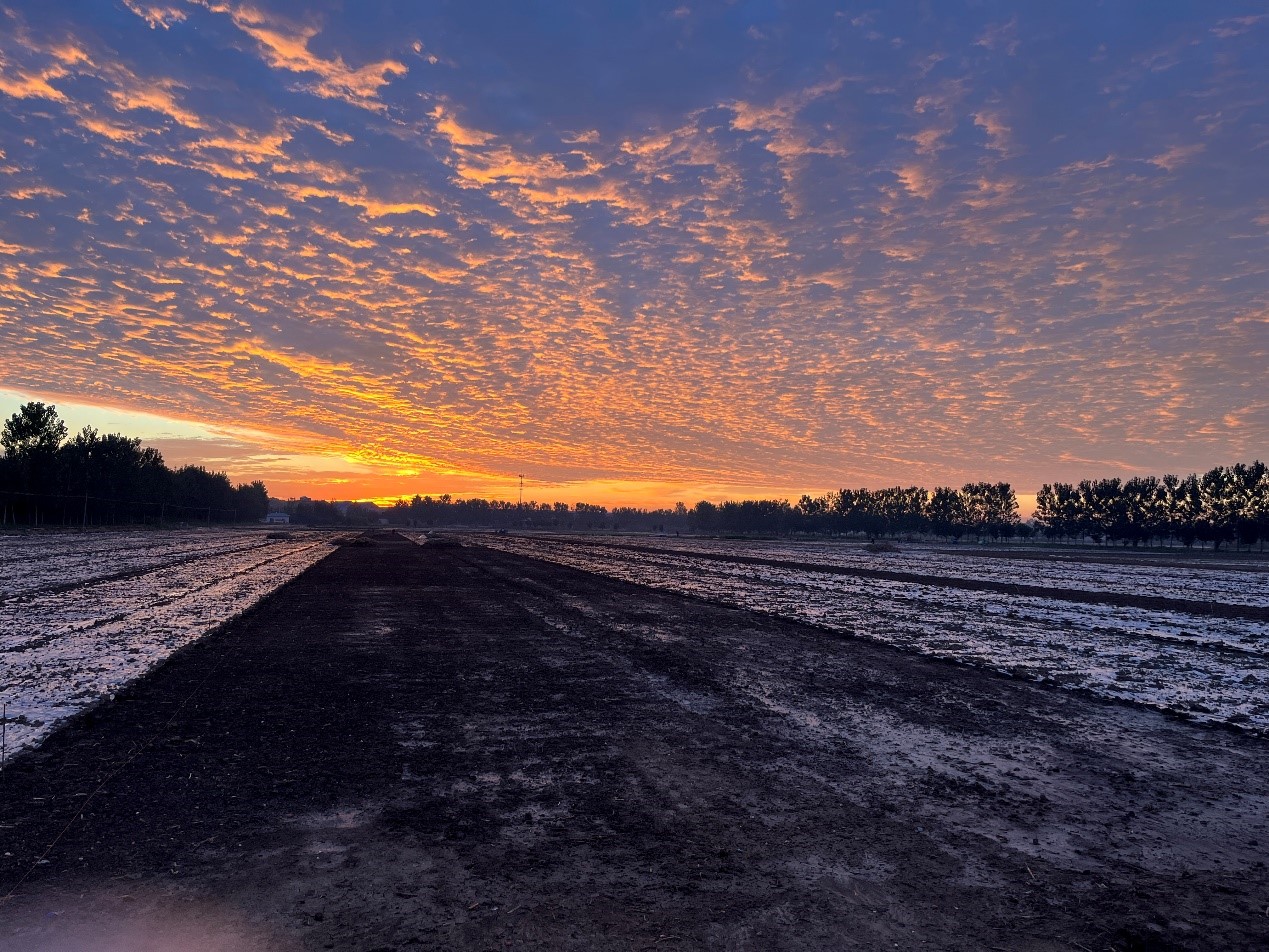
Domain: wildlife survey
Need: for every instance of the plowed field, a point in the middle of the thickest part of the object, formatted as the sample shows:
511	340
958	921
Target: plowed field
457	748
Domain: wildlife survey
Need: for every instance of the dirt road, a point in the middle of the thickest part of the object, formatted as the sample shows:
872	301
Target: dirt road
454	748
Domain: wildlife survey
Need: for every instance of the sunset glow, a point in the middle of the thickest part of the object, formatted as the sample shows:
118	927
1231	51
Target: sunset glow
644	255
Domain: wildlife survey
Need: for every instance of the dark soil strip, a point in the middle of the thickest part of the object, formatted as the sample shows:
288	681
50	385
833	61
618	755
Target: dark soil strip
454	748
1120	599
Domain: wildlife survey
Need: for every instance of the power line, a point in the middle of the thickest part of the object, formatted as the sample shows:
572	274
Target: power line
115	501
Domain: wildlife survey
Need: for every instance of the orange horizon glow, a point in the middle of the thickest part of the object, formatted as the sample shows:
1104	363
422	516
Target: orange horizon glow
293	468
636	496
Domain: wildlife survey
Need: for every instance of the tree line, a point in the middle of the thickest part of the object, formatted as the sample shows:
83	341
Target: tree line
1227	504
978	509
48	479
1224	505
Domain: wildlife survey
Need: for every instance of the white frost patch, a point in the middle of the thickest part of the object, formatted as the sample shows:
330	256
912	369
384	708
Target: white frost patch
81	616
1213	669
1212	580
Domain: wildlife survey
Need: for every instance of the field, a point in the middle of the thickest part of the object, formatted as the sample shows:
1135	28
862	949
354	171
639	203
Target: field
1190	637
478	747
82	615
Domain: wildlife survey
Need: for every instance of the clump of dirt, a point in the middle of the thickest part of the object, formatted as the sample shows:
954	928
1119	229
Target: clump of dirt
878	548
437	541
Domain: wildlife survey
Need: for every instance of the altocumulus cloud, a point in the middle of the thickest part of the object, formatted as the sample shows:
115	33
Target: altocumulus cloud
693	245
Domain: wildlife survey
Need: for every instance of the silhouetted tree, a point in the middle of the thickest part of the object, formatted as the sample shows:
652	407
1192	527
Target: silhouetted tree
31	438
946	513
992	508
96	478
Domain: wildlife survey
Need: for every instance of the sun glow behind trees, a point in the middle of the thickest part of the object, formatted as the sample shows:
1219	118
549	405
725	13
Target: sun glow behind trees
91	478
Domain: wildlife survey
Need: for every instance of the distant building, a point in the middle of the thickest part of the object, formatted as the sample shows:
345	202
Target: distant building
277	519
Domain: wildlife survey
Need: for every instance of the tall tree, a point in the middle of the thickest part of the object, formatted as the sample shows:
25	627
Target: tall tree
946	512
31	438
34	430
992	508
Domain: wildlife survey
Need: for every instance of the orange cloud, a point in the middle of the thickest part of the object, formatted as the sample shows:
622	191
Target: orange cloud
998	133
25	85
285	45
1177	156
156	14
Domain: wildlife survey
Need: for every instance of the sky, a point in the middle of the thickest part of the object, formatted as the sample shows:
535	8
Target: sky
641	253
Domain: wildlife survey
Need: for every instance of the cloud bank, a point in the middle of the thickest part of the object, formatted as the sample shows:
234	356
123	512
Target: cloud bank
692	246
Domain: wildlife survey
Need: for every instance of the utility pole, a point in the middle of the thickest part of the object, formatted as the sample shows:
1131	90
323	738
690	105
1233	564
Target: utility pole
521	475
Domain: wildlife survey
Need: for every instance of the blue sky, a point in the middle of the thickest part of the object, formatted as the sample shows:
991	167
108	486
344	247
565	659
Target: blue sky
642	252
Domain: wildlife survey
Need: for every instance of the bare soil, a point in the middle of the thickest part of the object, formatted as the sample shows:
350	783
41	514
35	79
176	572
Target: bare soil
452	748
1083	596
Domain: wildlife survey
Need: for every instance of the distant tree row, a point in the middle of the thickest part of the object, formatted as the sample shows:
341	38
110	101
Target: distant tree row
96	479
445	510
978	509
48	479
1225	504
322	512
